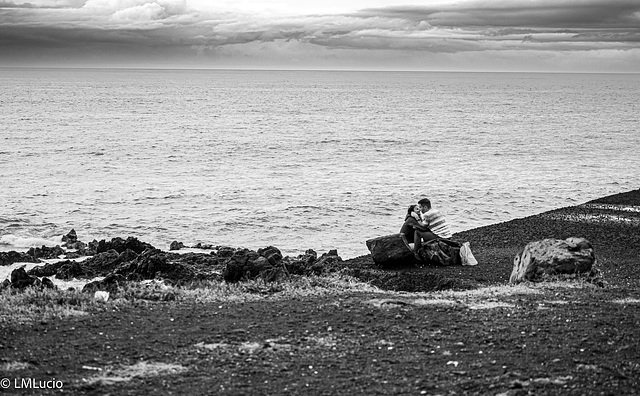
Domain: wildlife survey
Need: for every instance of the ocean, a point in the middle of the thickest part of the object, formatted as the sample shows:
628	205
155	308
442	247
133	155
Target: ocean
301	159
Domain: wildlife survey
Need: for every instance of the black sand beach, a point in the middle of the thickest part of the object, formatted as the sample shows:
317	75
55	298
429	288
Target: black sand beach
471	335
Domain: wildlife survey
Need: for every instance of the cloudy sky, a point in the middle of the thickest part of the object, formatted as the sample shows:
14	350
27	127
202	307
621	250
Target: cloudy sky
487	35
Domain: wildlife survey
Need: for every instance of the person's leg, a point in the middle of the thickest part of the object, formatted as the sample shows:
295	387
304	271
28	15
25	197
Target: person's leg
451	242
418	236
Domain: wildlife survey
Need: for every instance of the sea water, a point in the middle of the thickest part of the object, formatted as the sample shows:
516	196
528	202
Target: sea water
301	159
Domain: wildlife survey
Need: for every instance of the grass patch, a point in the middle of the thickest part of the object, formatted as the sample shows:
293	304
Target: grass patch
34	304
254	290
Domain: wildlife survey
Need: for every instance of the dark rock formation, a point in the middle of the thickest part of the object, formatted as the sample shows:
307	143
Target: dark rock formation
120	245
45	252
327	263
111	283
71	237
391	251
272	254
70	270
154	263
175	245
48	269
8	258
204	246
245	264
551	257
20	279
48	284
301	264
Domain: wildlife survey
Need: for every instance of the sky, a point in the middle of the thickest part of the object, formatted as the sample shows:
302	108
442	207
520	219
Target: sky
442	35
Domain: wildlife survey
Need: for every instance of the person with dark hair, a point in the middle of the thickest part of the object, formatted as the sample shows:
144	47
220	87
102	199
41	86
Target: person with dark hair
414	231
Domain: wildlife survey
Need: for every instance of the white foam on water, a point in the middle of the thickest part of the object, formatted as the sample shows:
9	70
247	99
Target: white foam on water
78	284
14	241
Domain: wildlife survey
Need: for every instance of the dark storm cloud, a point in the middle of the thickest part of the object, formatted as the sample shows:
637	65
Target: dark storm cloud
104	27
547	13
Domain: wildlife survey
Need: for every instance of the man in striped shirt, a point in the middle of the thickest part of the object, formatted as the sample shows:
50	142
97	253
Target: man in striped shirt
433	219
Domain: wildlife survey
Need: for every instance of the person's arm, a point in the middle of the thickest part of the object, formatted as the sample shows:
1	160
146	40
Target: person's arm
416	225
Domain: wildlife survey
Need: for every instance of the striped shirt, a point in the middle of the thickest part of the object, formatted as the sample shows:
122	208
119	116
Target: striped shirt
436	223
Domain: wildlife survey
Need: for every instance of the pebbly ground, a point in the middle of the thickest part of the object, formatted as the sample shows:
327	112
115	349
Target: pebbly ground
550	338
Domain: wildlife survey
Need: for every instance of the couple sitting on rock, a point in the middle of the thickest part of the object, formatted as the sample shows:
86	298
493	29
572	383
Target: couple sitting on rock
425	223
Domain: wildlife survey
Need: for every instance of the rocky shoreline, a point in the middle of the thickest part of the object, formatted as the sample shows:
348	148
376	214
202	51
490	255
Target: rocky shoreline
610	223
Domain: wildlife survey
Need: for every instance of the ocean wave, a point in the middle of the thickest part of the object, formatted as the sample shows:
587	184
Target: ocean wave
27	242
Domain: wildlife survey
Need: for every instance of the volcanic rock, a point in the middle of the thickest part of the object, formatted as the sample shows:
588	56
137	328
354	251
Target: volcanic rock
8	258
46	252
110	283
120	245
245	264
20	279
175	245
71	237
301	264
48	283
272	254
70	270
49	269
552	256
153	263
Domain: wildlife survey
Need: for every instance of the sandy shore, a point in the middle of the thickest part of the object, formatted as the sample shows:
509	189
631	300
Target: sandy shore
565	338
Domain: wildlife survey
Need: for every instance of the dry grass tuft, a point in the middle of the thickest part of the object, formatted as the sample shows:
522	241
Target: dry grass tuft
111	376
296	287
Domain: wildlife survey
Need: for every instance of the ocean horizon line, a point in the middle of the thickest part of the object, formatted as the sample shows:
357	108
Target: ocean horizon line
247	69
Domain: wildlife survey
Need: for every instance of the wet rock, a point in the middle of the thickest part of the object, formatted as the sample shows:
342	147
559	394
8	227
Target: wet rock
20	279
71	237
50	269
175	245
246	264
120	245
70	270
110	283
45	252
551	257
8	258
205	246
79	246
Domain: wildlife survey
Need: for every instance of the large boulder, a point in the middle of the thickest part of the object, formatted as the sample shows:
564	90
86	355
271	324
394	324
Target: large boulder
391	251
551	257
